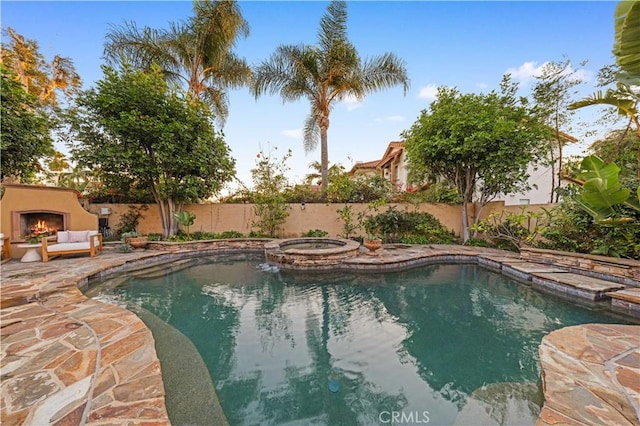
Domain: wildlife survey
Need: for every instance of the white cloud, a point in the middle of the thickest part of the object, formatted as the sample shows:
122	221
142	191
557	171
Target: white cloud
482	85
351	102
526	72
430	92
390	118
582	74
292	133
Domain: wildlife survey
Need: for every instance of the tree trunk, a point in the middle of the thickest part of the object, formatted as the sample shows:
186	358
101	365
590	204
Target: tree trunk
465	222
163	216
557	196
173	223
467	197
324	155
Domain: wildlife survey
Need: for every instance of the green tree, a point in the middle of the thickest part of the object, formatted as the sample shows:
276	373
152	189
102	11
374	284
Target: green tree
45	80
553	93
480	144
324	74
269	197
24	131
197	52
132	127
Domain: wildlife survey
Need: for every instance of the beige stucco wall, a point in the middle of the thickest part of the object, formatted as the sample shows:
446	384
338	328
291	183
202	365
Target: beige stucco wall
209	217
239	217
34	197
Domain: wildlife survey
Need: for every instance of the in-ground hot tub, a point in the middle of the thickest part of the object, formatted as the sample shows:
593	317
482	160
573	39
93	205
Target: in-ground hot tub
310	253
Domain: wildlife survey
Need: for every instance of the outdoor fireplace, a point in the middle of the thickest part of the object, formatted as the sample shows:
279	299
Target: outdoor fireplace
41	222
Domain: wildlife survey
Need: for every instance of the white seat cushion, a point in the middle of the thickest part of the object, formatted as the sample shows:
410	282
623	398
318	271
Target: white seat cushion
68	246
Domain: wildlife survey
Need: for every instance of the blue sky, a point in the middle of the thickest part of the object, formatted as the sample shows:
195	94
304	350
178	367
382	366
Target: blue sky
470	45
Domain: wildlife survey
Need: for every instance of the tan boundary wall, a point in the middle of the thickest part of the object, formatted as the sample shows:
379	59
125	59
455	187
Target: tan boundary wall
302	218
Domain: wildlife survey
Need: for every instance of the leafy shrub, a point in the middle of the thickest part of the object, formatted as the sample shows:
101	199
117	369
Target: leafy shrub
270	183
302	194
439	192
230	234
254	234
200	235
397	226
360	189
510	231
573	229
478	242
129	220
315	233
124	248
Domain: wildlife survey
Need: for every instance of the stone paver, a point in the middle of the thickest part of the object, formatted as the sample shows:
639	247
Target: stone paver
67	359
595	367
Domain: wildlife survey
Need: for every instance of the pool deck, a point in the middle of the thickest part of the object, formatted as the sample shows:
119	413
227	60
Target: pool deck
66	359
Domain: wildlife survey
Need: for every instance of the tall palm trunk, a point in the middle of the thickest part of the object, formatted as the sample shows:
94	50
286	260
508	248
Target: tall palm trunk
324	155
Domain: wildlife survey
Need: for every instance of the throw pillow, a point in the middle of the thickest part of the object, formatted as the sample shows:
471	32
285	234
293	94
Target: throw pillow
78	236
63	236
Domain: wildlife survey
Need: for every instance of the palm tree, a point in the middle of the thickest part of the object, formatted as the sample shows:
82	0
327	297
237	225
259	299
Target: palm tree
324	74
334	171
58	163
197	53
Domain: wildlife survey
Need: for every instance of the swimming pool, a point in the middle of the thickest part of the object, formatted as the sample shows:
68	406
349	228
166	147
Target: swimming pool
445	344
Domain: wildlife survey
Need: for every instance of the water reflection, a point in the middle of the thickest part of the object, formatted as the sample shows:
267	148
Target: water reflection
343	348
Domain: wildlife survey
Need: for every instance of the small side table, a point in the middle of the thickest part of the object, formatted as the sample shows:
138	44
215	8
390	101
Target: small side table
32	254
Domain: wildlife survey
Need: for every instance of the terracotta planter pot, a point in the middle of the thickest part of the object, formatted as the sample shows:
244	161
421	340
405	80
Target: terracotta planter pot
372	245
138	242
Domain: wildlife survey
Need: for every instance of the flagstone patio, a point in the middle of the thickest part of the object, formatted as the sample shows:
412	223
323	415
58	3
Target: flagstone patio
67	359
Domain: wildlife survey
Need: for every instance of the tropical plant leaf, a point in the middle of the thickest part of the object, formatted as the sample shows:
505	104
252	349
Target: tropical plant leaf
601	189
627	36
592	166
616	98
597	194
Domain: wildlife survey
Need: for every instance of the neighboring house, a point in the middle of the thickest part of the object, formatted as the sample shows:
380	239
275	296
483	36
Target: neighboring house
540	181
393	166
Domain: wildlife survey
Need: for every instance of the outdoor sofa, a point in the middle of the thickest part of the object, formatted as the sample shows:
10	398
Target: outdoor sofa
72	242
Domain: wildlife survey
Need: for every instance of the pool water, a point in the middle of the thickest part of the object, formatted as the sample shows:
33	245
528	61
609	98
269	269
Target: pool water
446	344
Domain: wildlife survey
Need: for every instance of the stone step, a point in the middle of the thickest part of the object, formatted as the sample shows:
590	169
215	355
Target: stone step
523	271
626	301
574	285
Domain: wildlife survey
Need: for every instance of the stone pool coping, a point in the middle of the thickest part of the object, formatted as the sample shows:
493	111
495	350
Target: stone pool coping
67	359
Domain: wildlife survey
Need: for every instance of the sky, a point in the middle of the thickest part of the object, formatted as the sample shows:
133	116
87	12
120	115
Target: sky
469	45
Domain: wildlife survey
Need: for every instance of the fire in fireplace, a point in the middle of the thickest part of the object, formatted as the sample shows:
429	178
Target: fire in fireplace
41	223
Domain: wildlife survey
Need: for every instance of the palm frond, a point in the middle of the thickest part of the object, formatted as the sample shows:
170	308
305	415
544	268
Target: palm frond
384	71
311	133
333	25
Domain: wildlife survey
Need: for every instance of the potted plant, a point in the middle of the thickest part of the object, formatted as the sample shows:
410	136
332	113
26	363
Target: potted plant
372	242
134	240
34	238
